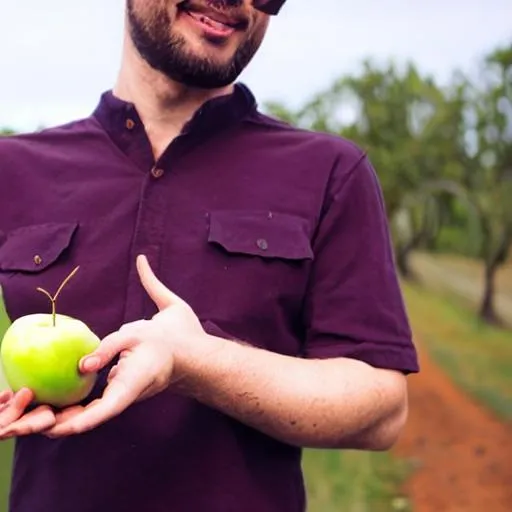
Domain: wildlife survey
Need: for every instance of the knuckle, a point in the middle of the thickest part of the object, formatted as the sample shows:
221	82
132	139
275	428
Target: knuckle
162	382
127	338
133	327
75	428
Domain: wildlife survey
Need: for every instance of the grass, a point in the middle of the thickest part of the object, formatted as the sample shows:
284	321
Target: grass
354	481
6	452
478	357
6	447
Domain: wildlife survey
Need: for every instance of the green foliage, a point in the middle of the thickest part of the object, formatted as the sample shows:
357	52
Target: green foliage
6	455
451	239
6	447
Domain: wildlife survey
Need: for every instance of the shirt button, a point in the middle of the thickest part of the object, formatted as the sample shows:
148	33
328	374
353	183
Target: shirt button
130	124
157	172
262	244
38	260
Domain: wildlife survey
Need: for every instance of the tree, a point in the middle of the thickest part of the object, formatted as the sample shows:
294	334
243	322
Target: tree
391	113
492	186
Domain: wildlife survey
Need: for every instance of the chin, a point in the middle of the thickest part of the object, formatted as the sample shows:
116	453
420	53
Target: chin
215	51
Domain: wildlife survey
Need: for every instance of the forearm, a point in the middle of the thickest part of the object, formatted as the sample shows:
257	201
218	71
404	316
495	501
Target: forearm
337	403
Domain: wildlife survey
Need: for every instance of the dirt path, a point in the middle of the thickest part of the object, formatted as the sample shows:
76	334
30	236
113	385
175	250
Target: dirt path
464	455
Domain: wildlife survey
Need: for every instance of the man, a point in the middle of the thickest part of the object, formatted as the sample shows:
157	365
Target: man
238	270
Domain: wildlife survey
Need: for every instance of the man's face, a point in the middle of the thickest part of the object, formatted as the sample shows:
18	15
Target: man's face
200	43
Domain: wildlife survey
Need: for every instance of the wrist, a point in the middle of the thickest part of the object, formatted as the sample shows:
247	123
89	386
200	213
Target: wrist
198	360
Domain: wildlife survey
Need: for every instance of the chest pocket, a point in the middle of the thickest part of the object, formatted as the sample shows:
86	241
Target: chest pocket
34	248
255	276
263	234
30	257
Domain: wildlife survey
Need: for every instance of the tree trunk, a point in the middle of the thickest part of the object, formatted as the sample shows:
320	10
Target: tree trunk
402	261
492	264
403	251
487	307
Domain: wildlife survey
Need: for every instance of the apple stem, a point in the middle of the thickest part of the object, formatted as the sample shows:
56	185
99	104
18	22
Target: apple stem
53	299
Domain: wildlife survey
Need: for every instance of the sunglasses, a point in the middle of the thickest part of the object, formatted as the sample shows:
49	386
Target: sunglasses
271	7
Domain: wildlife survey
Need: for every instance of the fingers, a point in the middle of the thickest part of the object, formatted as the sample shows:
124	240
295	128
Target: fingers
14	421
36	421
116	398
14	408
112	373
125	386
110	347
5	396
159	293
69	413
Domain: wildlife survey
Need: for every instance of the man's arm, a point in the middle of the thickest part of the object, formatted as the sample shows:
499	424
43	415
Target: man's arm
333	403
350	388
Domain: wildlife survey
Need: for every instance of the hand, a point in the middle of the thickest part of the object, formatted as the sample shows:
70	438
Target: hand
149	351
16	421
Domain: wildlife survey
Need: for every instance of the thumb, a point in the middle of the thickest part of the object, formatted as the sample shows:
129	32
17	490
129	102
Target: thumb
109	348
159	293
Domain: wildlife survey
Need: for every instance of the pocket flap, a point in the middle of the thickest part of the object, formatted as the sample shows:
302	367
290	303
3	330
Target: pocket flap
33	248
269	235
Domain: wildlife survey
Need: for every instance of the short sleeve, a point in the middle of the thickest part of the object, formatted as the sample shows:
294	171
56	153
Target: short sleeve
354	306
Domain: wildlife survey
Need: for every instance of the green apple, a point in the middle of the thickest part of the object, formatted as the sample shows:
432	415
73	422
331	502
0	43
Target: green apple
42	352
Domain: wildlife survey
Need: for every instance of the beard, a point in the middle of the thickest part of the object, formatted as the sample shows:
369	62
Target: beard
167	52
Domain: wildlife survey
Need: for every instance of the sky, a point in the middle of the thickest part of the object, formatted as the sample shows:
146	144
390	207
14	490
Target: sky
58	56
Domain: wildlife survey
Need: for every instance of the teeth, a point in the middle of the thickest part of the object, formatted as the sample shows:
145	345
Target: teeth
213	23
209	21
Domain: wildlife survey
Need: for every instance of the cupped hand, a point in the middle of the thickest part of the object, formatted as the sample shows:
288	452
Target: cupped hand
147	349
15	418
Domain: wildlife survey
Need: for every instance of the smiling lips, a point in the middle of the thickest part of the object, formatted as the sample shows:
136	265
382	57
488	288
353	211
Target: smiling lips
217	26
213	23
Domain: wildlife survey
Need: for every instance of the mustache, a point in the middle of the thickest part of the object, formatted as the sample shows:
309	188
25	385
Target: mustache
219	5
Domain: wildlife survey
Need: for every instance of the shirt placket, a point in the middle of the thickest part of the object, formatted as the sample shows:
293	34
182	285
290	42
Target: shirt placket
147	240
150	226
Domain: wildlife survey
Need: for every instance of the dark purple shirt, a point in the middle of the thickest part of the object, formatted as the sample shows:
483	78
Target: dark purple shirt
274	235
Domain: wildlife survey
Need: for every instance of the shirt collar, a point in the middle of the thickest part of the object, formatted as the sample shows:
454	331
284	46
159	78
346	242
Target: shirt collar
117	116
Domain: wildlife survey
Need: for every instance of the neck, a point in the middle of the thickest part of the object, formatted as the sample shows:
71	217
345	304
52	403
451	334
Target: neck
163	105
